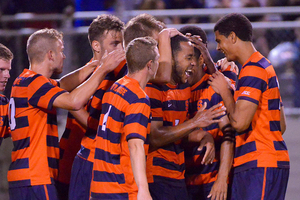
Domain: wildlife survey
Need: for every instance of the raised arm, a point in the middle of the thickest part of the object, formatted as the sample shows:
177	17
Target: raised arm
75	78
138	164
164	70
80	95
241	113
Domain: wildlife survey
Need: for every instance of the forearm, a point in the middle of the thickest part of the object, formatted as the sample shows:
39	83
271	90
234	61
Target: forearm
226	159
196	135
210	64
167	134
75	78
81	117
164	70
138	163
229	104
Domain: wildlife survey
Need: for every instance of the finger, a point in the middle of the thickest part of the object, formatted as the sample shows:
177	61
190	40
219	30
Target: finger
201	145
215	107
203	107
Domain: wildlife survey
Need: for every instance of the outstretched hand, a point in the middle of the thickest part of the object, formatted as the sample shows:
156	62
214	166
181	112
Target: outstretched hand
204	118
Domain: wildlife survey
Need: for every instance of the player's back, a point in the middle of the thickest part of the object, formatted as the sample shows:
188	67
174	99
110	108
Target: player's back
125	115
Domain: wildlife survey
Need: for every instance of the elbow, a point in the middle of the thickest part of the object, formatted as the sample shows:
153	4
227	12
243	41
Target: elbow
240	127
75	105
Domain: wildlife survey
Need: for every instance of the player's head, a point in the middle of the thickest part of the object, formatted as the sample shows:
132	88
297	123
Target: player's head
194	73
105	34
6	57
229	29
140	53
46	45
183	57
141	26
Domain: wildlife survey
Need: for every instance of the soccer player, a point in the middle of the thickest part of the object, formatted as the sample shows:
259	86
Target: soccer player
105	35
261	161
34	97
169	124
6	57
207	181
120	164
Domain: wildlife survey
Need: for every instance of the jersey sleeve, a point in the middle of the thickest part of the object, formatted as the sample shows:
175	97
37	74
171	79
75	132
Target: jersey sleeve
252	84
42	92
155	95
136	119
4	124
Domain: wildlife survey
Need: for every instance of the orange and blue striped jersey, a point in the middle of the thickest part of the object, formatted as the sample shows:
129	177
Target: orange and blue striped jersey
197	173
4	125
261	144
169	104
69	145
125	115
33	130
87	150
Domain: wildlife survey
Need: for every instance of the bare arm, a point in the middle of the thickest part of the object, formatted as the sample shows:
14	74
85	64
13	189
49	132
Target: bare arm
282	120
164	70
81	116
240	113
162	135
138	164
220	187
75	78
79	96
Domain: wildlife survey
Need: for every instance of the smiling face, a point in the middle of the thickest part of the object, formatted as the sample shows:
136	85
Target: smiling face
195	73
184	59
5	67
225	45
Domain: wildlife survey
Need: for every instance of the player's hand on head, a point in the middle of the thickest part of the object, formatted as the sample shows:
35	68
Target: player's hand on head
111	60
171	32
208	142
204	118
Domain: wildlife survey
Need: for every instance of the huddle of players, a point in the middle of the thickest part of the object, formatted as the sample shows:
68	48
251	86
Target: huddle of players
115	105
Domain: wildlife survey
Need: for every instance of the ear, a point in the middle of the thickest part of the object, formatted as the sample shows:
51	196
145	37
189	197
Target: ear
149	64
233	37
201	60
50	55
96	46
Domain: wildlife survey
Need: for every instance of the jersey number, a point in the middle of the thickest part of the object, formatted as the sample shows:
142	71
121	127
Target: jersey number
105	119
12	113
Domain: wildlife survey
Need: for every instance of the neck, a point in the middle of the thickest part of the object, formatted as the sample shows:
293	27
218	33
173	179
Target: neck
41	68
246	50
140	77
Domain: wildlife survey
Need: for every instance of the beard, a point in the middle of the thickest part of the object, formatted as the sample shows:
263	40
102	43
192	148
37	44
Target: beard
177	74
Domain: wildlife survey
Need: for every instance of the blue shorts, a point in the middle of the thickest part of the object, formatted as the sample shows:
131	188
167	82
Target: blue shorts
259	183
37	192
163	191
199	192
81	177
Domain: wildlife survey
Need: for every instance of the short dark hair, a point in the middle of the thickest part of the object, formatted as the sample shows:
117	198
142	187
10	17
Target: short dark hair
195	30
5	53
237	23
40	42
141	26
139	52
102	24
175	43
